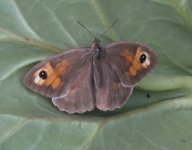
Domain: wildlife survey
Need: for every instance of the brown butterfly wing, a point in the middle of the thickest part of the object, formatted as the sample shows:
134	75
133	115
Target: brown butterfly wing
77	96
63	85
124	58
119	71
110	94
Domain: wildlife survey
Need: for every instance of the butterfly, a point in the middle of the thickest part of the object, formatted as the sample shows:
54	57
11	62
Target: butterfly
78	80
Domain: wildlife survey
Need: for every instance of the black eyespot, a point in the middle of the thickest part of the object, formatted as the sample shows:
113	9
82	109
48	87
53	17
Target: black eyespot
43	75
142	58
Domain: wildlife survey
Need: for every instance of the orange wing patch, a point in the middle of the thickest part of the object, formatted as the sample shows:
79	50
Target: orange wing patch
62	67
53	74
56	83
133	59
128	55
132	71
136	65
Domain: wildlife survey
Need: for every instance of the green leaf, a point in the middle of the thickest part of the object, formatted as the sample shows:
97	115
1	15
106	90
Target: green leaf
157	115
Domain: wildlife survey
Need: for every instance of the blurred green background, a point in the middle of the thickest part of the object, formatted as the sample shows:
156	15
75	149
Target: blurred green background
157	116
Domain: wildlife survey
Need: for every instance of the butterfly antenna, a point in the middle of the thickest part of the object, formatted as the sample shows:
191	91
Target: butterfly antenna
86	29
114	22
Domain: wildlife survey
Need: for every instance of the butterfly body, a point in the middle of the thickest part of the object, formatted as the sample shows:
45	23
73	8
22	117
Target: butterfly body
81	79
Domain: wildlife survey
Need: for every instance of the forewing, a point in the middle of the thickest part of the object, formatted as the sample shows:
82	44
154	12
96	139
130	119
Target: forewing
57	67
110	94
124	57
